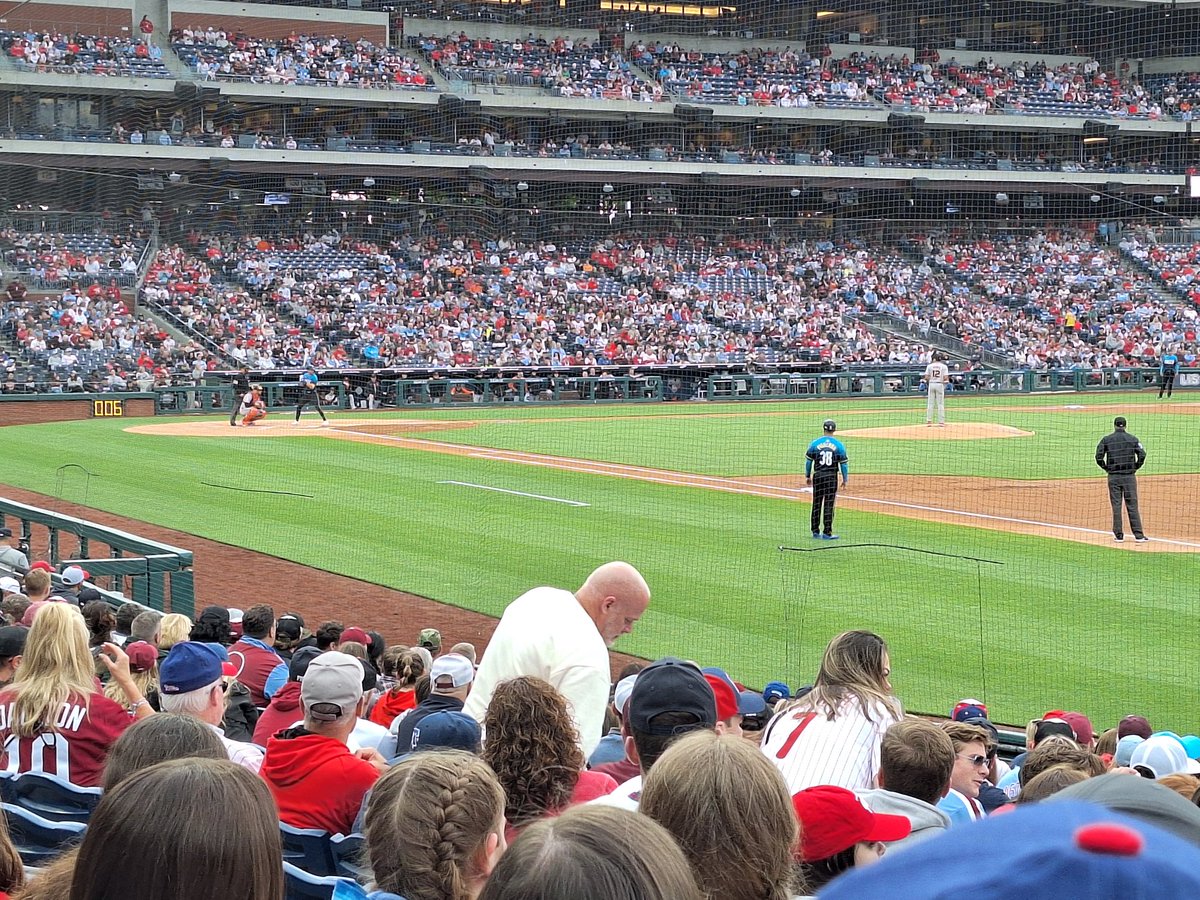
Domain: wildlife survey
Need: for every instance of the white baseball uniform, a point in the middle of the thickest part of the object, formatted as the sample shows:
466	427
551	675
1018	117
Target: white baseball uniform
936	376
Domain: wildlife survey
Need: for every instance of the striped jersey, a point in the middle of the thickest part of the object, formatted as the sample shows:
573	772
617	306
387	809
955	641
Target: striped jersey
811	749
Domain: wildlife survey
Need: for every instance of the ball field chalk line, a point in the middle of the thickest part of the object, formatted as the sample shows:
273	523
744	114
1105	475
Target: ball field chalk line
499	490
714	482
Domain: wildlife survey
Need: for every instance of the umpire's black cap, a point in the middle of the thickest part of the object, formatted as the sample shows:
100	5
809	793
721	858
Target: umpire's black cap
1119	422
830	426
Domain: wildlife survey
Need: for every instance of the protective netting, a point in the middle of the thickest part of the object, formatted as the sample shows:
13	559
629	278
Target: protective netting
458	211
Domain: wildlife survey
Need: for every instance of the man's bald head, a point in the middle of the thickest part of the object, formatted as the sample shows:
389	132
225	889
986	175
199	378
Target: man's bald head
614	596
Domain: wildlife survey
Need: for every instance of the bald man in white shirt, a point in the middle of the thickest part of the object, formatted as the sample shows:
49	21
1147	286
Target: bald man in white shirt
563	638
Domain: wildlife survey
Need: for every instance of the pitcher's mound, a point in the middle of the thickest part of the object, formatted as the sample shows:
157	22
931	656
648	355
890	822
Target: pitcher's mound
951	431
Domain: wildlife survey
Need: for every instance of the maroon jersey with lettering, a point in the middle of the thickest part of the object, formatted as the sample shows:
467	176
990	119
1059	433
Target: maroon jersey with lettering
74	747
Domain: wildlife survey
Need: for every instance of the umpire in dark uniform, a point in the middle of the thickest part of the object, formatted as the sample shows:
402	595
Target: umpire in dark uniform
241	385
1120	454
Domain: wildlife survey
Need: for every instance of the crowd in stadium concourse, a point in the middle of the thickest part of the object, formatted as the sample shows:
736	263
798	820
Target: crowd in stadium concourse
329	759
570	67
302	59
83	54
794	78
563	65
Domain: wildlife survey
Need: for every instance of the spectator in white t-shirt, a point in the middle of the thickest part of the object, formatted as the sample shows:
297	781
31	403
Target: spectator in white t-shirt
563	638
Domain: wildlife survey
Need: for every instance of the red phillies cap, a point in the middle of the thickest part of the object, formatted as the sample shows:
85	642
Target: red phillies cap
357	635
727	700
43	565
832	819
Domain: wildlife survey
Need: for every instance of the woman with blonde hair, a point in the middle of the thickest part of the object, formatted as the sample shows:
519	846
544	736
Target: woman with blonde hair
55	719
409	666
533	745
722	799
174	629
434	828
832	734
598	852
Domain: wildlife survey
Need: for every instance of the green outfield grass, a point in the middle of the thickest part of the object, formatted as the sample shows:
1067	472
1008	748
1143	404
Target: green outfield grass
1037	624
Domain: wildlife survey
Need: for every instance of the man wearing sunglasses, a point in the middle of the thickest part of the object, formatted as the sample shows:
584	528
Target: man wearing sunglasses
973	752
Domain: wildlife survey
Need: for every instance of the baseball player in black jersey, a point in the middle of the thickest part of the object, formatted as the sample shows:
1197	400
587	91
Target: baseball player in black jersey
1120	454
822	461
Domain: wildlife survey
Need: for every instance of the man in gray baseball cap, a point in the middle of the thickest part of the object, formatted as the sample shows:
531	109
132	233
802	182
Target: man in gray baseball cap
316	780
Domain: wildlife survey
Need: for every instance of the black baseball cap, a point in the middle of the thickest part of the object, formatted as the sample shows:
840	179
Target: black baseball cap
12	641
1048	727
1119	421
5	532
300	660
289	625
671	685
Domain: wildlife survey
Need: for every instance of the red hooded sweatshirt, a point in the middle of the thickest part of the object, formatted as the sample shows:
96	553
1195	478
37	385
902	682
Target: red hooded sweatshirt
316	781
284	712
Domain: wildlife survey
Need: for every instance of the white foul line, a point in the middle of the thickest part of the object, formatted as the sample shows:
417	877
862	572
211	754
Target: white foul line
716	482
487	487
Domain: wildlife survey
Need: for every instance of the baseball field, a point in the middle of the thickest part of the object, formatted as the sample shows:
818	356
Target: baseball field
982	551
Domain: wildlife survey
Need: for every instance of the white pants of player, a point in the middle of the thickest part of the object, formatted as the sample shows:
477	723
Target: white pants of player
936	400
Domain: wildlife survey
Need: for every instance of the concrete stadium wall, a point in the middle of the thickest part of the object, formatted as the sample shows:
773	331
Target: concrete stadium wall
17	410
260	20
81	17
492	30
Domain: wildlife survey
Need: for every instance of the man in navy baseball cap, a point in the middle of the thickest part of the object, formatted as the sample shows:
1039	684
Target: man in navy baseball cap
190	666
670	698
1043	851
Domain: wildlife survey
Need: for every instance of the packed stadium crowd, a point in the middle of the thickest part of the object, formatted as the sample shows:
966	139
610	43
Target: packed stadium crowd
301	59
83	54
563	65
1057	299
57	260
467	302
1054	299
349	764
570	67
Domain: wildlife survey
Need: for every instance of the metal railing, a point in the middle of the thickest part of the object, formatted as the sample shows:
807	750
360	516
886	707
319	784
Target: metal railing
148	572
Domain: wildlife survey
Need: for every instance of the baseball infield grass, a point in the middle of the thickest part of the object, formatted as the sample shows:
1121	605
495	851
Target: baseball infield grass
1025	623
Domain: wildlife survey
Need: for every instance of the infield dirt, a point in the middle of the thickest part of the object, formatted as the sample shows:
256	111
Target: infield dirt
1067	509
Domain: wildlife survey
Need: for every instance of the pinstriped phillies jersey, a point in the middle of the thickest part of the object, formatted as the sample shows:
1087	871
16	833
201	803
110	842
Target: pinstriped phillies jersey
811	749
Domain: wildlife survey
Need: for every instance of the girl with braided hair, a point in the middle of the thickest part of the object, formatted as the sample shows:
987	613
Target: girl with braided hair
434	826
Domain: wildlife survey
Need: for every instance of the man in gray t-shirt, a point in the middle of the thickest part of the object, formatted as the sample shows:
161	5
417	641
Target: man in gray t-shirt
9	555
